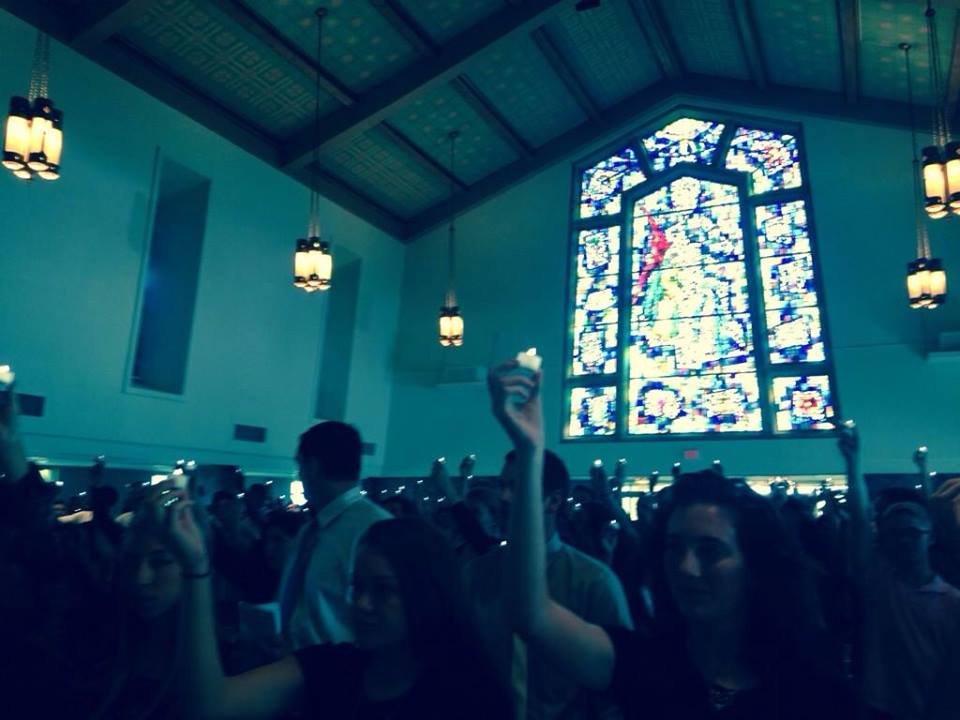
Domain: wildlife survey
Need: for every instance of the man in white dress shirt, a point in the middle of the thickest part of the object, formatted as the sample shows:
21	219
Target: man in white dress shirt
313	591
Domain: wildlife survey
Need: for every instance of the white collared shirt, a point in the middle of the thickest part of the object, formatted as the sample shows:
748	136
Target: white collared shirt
321	613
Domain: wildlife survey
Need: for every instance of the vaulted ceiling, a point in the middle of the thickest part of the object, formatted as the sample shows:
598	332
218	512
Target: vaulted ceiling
526	82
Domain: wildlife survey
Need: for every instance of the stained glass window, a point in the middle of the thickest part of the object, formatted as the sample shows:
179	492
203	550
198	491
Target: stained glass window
602	185
683	140
794	330
803	403
772	159
593	411
718	288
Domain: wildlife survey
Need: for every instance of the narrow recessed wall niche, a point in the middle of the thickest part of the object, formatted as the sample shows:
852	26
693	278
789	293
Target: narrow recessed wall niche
337	349
169	285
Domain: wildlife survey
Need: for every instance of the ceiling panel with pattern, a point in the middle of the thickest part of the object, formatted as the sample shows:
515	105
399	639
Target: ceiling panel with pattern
518	80
706	33
445	19
526	82
374	164
428	119
608	47
801	42
888	23
196	42
359	46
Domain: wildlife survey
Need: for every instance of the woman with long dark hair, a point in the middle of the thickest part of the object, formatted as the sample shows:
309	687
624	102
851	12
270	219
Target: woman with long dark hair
414	656
737	629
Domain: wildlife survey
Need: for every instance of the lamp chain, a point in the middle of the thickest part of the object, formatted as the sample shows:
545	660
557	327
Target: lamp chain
451	228
923	238
40	73
314	225
940	123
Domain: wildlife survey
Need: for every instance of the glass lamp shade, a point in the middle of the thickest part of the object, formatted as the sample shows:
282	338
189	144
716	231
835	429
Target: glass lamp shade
53	147
934	182
321	264
40	126
451	326
926	283
301	264
16	137
952	156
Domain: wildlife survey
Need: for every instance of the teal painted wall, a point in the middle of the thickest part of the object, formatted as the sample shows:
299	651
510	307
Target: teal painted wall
70	265
512	284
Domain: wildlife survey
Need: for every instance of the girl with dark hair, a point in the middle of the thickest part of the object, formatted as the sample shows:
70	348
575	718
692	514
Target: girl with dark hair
735	612
414	657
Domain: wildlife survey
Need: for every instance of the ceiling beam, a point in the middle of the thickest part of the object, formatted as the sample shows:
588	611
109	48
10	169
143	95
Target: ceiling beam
746	25
405	25
291	53
418	154
102	24
652	101
485	108
565	72
656	32
848	22
449	62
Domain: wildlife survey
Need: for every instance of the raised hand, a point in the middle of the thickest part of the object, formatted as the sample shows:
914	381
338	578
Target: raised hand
849	444
13	461
441	480
172	510
515	397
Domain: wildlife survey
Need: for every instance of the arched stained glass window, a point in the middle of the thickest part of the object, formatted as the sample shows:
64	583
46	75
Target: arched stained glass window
696	304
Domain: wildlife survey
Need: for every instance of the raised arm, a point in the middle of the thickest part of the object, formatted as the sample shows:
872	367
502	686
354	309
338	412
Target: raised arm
858	505
266	692
582	650
13	461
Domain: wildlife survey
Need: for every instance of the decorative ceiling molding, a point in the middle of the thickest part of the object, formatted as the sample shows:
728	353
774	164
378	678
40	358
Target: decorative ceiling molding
451	60
411	31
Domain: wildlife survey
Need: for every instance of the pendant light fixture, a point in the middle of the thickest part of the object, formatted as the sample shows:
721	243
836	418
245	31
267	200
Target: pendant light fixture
312	261
33	135
941	160
451	321
926	278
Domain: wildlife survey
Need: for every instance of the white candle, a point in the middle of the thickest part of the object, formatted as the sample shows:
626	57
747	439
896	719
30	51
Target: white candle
529	360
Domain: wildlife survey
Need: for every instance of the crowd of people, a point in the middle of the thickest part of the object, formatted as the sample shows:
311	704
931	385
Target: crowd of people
525	596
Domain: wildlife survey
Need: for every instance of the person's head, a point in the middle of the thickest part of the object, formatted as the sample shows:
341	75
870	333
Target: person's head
595	530
904	529
151	574
726	558
406	591
279	530
328	459
226	508
556	488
